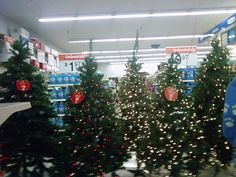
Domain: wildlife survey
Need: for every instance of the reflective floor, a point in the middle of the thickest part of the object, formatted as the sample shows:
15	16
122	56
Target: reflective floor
131	165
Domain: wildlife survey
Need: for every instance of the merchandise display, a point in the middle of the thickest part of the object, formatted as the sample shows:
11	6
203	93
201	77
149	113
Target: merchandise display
59	88
173	129
77	100
188	77
134	103
212	79
93	130
65	78
32	126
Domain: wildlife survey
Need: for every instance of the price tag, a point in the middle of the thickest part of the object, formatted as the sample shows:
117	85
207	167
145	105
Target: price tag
70	62
188	55
69	66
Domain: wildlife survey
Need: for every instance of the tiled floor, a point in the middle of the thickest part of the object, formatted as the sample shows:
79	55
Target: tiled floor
131	165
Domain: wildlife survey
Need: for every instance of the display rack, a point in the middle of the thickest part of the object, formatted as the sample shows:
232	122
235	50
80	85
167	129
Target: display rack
188	80
59	85
8	109
59	88
57	100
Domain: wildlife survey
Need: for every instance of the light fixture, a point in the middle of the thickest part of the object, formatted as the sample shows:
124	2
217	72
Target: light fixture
140	15
122	51
143	38
147	50
126	56
154	59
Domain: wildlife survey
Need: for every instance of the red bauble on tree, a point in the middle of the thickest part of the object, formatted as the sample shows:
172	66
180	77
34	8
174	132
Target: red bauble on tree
77	97
23	85
2	173
171	94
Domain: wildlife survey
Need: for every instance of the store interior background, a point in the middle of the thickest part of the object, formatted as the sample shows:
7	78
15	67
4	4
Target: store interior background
15	15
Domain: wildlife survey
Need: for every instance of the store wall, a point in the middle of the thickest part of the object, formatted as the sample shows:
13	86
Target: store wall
118	70
10	28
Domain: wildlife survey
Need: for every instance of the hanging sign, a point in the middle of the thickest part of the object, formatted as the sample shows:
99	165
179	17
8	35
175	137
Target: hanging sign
171	94
70	62
221	26
188	55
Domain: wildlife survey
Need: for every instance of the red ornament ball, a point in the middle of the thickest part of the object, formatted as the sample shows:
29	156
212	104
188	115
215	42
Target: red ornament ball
171	94
23	85
77	97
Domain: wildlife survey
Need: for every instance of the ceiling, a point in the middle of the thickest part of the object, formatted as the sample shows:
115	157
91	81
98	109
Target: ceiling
26	14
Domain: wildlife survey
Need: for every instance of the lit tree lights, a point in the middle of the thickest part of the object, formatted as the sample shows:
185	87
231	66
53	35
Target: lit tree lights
134	105
174	133
209	93
94	140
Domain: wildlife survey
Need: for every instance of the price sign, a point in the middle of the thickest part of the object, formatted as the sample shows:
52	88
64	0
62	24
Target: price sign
70	62
188	55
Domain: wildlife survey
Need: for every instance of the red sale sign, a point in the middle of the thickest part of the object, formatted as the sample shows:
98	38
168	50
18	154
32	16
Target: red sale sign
75	56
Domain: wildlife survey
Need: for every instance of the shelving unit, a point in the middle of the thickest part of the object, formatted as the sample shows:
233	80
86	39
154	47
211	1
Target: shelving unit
8	109
188	80
57	100
60	115
60	85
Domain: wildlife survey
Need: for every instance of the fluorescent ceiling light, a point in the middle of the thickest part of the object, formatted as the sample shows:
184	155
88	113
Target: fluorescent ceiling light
126	56
140	15
122	51
146	50
126	59
143	38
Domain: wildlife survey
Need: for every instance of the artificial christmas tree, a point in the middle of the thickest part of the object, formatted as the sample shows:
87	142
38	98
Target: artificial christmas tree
209	93
93	136
174	135
134	102
27	137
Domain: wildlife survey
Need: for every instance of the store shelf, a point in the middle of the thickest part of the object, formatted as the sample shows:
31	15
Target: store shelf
60	85
57	100
188	80
60	115
8	109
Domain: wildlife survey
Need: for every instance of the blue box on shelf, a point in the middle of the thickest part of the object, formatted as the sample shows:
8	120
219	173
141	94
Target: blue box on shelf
72	78
183	71
60	93
190	74
66	92
65	78
55	107
59	79
52	79
61	108
53	93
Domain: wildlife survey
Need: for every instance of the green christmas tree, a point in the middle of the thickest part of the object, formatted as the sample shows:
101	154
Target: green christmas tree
93	136
209	93
174	134
134	102
27	138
